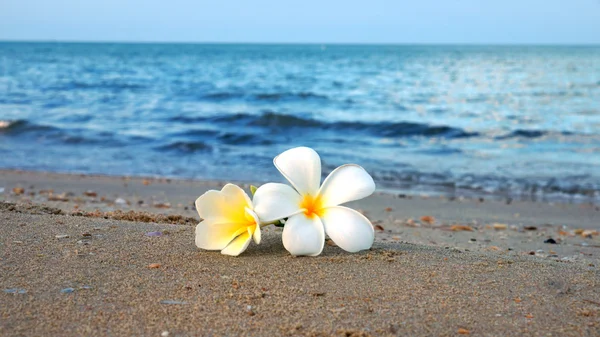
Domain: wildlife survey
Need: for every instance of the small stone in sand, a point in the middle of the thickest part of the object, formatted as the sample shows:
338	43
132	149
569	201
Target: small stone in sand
250	311
90	193
62	236
428	219
121	201
154	265
58	197
551	241
18	190
589	233
457	228
463	331
530	228
154	234
499	226
67	290
564	233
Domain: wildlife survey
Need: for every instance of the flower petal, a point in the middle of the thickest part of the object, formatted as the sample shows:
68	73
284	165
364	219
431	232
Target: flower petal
256	235
254	230
301	166
349	229
212	234
237	246
276	201
227	205
346	183
303	235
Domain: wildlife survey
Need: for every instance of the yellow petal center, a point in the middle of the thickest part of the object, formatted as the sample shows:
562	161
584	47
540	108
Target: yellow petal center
249	219
313	206
250	223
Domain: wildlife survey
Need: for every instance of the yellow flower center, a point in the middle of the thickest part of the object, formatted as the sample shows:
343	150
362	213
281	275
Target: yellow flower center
313	206
249	219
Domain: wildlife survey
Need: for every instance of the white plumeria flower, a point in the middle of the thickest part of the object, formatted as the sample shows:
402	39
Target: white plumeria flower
229	222
313	210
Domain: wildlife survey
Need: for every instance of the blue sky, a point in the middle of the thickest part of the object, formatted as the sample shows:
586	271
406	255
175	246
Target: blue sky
297	21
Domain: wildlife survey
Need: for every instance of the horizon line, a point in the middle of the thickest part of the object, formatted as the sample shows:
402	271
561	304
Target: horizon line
573	44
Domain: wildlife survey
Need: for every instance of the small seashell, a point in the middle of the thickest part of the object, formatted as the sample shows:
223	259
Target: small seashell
499	226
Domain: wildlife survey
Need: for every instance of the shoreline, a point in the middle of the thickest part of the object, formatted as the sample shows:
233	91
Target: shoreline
427	191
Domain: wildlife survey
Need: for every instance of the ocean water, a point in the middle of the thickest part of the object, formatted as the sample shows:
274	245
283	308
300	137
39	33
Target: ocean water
508	121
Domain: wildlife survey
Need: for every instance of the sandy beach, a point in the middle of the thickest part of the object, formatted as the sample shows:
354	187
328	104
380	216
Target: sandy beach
115	256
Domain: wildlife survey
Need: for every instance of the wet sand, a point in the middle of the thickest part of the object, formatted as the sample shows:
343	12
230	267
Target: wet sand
73	264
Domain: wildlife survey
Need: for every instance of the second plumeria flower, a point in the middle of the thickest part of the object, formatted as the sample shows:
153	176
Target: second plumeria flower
229	222
313	209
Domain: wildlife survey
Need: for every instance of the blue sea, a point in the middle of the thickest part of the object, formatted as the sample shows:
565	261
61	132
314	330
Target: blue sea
506	121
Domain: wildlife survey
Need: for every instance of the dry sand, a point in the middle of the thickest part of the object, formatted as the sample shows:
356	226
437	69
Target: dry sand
72	273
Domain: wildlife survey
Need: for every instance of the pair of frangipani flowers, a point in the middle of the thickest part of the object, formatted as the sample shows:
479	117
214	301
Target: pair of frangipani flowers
231	219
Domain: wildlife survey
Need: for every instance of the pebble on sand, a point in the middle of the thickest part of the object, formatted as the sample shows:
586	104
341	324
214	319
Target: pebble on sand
121	201
589	233
457	228
499	226
428	219
90	193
